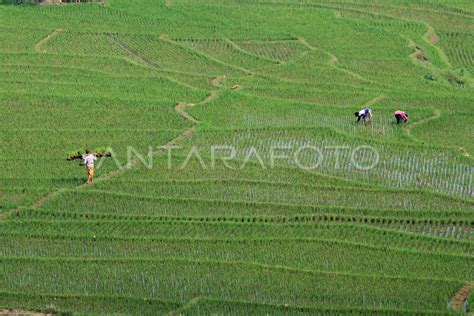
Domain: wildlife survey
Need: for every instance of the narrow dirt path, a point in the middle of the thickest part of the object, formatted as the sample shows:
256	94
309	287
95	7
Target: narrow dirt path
179	108
459	299
246	52
436	115
374	101
139	58
464	151
419	58
208	57
46	198
431	39
39	45
332	60
192	302
430	36
173	143
134	55
210	97
217	82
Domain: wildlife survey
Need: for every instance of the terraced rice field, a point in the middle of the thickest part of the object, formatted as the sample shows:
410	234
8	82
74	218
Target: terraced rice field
239	183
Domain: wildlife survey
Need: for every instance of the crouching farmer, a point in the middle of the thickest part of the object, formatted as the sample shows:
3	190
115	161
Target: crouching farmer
400	116
88	160
365	114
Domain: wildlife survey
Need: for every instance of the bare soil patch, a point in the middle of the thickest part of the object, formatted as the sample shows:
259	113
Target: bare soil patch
460	298
40	44
218	82
464	151
434	39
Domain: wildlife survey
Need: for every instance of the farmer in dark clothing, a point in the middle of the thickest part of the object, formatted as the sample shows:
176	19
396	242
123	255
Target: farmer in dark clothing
400	116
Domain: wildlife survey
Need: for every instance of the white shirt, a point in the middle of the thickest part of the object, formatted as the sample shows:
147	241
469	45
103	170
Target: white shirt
89	160
365	112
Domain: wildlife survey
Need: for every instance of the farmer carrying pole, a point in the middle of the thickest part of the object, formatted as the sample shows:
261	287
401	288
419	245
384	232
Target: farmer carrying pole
365	114
88	160
400	116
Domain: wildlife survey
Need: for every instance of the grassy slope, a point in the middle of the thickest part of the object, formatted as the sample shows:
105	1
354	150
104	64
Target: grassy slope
216	240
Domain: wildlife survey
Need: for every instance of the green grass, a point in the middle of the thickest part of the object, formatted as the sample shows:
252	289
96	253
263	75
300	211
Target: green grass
182	279
246	236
